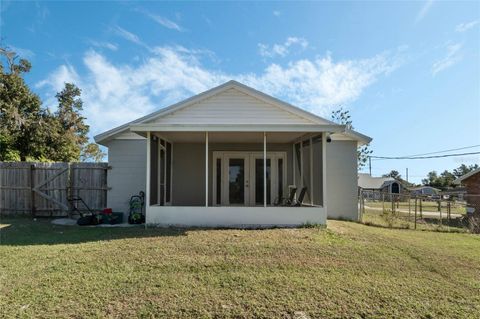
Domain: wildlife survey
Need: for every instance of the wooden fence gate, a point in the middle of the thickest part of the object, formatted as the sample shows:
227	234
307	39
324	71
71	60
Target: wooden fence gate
42	189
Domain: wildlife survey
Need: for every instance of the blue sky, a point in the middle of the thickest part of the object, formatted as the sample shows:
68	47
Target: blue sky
409	72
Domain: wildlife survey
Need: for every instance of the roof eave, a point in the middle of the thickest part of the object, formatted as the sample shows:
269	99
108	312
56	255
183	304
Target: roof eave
153	127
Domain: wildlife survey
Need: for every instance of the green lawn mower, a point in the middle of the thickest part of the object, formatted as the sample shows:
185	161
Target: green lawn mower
136	215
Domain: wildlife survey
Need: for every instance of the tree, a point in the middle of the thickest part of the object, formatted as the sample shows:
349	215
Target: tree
22	120
71	130
343	117
92	152
30	132
444	180
393	173
464	169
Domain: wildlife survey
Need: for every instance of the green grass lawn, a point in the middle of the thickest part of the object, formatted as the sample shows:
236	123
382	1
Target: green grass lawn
346	270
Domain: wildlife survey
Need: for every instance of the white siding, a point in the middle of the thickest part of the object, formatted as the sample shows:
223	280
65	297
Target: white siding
342	180
232	107
127	135
127	176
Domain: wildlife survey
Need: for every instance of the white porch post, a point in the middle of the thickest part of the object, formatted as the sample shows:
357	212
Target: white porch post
147	187
264	169
311	171
294	164
301	163
206	169
324	172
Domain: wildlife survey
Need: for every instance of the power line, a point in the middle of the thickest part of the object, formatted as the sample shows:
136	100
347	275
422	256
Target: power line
417	155
422	157
451	150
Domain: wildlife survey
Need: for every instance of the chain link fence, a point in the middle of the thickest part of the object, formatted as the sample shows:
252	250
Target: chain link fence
421	212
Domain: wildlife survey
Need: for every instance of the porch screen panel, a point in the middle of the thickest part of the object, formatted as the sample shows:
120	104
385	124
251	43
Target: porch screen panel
259	181
154	164
218	181
317	170
168	172
280	178
306	170
297	168
161	194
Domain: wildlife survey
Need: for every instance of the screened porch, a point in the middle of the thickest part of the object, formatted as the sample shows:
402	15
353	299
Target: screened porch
241	169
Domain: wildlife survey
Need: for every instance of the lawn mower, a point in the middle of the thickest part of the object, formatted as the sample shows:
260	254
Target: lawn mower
86	218
136	214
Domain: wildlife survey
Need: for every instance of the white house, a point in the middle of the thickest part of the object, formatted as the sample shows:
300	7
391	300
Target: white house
424	190
226	156
379	184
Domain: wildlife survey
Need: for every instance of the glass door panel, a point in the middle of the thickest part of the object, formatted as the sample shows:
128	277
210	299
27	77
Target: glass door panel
236	181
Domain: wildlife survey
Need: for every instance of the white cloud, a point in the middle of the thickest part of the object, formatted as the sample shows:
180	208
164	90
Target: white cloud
424	10
281	49
104	45
276	13
169	24
114	94
462	27
452	57
127	35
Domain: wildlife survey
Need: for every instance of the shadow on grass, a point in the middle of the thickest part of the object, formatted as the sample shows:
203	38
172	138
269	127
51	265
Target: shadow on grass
26	231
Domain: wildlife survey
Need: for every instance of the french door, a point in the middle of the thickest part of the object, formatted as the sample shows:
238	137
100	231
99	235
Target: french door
238	178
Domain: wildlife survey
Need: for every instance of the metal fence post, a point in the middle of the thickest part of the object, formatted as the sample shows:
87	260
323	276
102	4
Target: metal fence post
383	203
440	206
449	210
409	206
421	208
415	220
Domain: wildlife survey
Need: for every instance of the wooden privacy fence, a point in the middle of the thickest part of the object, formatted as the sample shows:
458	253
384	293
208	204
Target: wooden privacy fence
42	189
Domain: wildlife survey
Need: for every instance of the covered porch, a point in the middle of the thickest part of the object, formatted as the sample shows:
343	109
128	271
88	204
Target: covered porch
235	176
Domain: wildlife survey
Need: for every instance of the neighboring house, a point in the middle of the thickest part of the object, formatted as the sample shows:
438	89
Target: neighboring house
424	190
225	156
457	193
378	185
471	181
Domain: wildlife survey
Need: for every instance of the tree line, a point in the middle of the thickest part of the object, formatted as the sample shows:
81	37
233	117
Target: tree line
31	132
442	180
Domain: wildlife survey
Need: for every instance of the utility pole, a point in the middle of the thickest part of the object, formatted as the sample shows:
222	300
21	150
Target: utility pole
370	165
407	174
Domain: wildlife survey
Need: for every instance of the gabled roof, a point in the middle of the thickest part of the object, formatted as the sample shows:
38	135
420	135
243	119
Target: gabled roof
310	118
468	175
423	187
366	181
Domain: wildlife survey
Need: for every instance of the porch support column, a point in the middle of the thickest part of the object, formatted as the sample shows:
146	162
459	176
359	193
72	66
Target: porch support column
311	170
324	171
147	187
264	169
206	169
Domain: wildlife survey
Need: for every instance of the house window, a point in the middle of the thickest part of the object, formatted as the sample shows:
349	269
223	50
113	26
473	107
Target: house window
395	188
